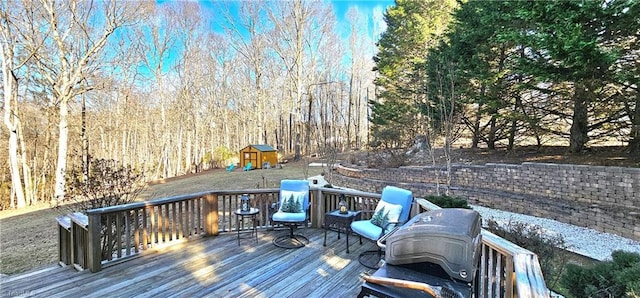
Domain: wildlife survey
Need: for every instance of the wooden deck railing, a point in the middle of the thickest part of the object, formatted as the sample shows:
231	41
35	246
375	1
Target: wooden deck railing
113	233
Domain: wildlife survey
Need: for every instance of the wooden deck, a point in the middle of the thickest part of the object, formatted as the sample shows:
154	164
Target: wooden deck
212	267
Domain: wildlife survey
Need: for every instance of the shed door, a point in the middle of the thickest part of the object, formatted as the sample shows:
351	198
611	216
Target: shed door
251	157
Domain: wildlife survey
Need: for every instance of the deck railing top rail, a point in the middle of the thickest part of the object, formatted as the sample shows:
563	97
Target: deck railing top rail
178	198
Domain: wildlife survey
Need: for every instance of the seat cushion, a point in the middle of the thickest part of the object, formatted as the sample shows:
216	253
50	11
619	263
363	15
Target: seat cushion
386	213
366	229
289	217
291	201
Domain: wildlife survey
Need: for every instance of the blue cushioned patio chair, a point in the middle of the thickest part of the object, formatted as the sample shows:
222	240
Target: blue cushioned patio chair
393	210
293	207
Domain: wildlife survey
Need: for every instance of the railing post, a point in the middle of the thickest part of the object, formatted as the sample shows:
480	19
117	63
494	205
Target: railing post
94	258
211	215
317	216
64	241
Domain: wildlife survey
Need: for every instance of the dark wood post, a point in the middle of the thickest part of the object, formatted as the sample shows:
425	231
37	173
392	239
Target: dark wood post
317	212
94	257
64	240
211	215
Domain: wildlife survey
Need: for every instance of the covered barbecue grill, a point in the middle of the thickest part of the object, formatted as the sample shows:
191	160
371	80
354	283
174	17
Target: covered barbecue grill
438	248
448	237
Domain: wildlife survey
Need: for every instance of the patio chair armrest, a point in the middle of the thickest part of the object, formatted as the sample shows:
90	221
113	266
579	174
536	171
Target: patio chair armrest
382	242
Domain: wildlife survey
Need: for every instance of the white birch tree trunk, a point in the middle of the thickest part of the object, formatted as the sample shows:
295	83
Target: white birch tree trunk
61	162
11	119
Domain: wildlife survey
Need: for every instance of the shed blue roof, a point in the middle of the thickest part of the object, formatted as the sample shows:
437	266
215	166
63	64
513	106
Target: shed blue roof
263	148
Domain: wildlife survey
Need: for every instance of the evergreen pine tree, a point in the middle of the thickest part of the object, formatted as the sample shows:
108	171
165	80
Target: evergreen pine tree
380	218
291	205
413	27
297	207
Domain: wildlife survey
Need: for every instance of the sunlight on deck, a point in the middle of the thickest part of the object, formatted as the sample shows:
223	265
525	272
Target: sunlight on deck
336	262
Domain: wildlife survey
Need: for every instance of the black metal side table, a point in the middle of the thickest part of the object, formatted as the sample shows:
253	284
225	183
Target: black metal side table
242	216
339	222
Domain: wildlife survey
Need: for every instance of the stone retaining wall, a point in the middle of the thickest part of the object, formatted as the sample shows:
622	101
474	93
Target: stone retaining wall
606	199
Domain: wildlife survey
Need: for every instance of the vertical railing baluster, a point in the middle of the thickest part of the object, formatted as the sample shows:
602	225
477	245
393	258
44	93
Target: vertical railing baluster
161	226
499	273
127	225
484	273
136	231
509	278
186	230
118	234
175	227
223	198
166	223
194	217
109	238
200	215
180	210
492	272
145	232
153	228
171	218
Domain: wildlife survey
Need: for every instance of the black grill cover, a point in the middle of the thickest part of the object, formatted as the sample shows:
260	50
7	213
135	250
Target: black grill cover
447	237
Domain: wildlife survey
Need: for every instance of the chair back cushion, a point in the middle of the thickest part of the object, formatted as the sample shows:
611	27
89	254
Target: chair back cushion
296	191
398	196
291	201
386	213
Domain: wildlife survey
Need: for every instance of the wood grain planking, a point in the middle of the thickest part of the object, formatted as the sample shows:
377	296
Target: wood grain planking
215	266
280	268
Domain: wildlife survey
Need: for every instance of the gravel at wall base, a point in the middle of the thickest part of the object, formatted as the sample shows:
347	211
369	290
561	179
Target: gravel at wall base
583	241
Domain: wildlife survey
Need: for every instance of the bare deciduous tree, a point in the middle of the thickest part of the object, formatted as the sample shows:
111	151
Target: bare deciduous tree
71	54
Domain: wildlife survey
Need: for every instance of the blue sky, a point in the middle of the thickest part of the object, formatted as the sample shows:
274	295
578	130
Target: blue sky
372	8
368	6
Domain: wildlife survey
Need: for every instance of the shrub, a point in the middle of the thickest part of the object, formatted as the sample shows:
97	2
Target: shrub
222	155
619	277
387	145
445	201
108	184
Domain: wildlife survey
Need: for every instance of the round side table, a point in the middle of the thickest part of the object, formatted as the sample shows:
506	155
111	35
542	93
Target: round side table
242	216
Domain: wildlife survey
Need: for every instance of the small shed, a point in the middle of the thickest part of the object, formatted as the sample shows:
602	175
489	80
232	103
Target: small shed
258	156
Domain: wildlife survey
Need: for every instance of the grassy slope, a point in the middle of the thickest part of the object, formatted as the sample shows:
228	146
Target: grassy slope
29	237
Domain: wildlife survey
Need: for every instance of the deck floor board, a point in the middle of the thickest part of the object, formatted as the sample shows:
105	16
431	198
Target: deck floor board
213	267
